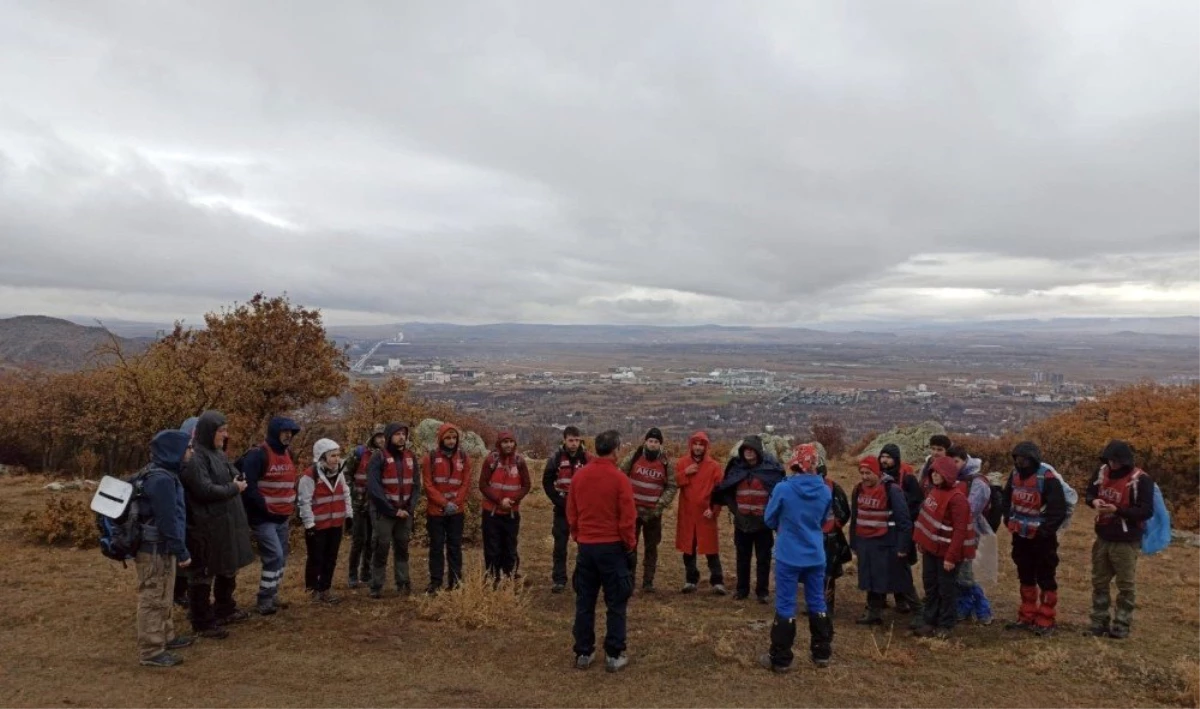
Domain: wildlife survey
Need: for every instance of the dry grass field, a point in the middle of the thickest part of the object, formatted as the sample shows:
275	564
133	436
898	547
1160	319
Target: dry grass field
67	639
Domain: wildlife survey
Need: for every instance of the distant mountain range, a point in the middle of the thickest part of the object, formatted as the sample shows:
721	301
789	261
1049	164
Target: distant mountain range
52	343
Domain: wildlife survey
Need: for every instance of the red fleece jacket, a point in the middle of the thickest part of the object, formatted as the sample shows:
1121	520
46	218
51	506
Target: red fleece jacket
600	508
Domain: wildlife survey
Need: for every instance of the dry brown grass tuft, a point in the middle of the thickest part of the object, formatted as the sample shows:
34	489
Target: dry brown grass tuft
477	603
66	520
1187	670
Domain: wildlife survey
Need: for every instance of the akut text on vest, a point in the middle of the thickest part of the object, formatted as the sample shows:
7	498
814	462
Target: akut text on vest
649	480
933	530
874	513
278	483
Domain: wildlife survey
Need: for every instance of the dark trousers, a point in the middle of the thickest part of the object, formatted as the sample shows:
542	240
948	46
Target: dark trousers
181	587
360	545
941	592
758	544
210	599
1037	561
500	543
649	531
445	546
390	533
716	575
601	566
323	546
562	534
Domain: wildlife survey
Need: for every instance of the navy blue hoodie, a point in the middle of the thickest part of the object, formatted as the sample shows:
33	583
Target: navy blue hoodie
253	465
164	528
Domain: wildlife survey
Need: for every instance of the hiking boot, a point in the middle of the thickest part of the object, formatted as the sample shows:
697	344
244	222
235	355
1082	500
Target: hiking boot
266	608
235	617
1118	633
375	593
984	620
432	590
924	631
1047	631
1018	625
352	584
688	588
918	621
329	599
871	617
163	659
558	588
764	599
821	662
719	589
764	661
582	662
215	633
647	588
404	589
616	664
280	605
180	641
903	607
739	596
1096	631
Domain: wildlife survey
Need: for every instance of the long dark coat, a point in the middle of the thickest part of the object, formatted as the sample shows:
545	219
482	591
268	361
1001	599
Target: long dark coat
218	535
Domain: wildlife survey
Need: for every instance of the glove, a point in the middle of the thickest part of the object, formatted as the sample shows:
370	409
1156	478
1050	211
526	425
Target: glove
450	508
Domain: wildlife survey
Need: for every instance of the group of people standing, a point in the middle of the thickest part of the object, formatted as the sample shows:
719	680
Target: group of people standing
201	515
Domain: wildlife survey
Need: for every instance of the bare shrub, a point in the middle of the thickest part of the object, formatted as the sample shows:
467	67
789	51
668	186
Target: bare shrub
479	603
66	521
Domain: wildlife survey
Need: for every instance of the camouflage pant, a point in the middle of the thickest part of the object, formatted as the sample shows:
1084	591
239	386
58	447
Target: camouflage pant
1114	560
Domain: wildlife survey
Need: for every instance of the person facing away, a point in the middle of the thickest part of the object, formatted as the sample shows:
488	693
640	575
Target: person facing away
601	516
748	481
799	510
556	481
218	535
879	532
654	489
270	500
696	527
1035	506
360	542
393	485
806	459
323	500
163	521
504	482
945	534
446	477
1123	496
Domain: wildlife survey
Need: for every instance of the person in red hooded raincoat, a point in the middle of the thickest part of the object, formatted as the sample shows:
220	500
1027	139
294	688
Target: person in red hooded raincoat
696	529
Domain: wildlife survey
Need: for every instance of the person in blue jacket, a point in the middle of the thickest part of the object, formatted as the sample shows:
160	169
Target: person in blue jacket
163	519
797	511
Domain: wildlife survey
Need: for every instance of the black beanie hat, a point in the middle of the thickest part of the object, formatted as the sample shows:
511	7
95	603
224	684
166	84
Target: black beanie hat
655	434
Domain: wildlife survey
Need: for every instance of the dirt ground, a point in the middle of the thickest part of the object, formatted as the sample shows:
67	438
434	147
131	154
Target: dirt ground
67	639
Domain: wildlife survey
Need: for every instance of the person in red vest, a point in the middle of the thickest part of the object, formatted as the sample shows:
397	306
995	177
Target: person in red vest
1035	506
360	540
654	488
504	482
747	484
879	532
270	500
1123	496
891	464
393	486
945	534
602	519
696	528
556	481
323	499
446	475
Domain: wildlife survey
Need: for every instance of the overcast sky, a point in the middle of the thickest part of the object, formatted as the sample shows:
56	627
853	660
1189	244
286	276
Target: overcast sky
653	162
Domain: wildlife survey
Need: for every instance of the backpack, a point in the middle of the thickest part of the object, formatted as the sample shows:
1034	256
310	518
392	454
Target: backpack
993	511
120	511
1157	533
241	459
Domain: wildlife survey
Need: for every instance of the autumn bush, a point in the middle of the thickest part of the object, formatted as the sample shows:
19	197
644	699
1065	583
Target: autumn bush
830	433
66	520
479	603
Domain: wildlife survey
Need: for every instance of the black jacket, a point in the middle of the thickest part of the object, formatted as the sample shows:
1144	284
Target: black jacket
1126	524
375	489
550	474
767	471
218	535
1054	500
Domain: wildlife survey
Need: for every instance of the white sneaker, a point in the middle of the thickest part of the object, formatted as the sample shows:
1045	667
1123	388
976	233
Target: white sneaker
688	588
719	589
616	664
582	662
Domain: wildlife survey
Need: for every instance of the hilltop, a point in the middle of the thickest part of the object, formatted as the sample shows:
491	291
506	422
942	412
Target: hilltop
51	343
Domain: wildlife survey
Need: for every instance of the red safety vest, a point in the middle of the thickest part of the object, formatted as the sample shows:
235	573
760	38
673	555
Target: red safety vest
328	503
1119	492
448	474
933	528
752	497
398	480
503	481
360	474
566	470
278	482
649	481
873	513
1025	515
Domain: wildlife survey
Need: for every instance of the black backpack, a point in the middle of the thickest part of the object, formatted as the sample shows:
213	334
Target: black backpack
121	537
995	507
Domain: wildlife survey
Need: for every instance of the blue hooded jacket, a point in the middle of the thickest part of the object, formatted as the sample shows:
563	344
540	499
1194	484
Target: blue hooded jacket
796	511
253	465
166	516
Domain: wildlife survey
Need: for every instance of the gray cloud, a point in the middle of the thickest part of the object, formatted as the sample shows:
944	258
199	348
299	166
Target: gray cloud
772	163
